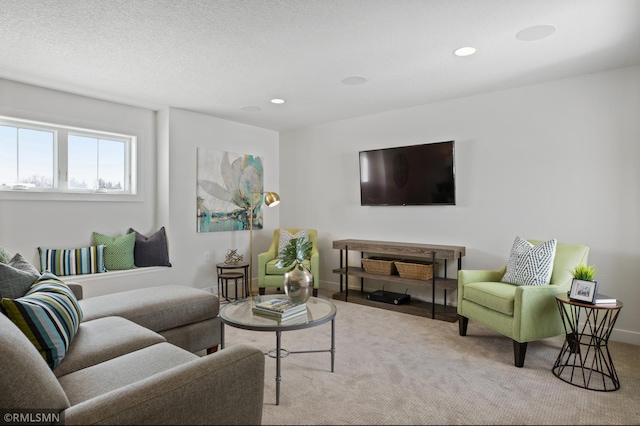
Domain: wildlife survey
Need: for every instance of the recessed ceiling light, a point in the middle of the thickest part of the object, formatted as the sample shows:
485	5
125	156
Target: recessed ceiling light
277	101
536	32
464	51
250	108
354	80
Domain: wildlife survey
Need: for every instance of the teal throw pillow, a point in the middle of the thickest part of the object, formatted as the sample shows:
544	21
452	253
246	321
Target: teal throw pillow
118	251
49	315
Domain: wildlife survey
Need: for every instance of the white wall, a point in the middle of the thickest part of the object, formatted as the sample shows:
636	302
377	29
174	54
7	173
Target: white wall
186	132
167	187
556	160
26	224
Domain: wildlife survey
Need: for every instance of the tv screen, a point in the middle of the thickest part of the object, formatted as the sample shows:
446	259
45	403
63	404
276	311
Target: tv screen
408	175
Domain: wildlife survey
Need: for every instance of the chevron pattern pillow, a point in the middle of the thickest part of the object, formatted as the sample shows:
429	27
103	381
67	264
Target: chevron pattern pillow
49	315
118	251
529	264
286	236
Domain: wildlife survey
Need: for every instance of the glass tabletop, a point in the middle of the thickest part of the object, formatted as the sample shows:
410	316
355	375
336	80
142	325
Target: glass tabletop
240	314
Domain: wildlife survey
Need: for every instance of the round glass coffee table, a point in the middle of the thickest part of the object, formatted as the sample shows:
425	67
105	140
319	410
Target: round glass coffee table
239	314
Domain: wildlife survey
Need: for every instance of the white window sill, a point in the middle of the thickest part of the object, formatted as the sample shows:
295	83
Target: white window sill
35	195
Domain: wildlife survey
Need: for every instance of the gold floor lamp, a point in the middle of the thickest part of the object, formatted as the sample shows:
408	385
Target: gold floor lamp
270	199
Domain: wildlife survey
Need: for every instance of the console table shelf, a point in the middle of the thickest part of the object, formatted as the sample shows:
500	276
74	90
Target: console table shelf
429	252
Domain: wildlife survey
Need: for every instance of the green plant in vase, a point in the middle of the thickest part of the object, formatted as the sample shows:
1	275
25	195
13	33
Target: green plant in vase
298	281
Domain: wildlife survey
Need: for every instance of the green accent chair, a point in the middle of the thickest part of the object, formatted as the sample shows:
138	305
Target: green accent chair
271	276
522	313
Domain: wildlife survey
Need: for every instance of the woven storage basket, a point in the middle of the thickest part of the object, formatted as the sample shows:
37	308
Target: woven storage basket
379	266
415	270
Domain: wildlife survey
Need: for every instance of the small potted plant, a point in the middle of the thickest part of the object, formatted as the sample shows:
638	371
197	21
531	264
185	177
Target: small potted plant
298	281
584	272
583	287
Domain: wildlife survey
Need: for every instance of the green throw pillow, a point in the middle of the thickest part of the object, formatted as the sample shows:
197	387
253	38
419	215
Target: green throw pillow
118	251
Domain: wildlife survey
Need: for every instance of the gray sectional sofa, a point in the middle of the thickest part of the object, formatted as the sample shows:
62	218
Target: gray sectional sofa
132	361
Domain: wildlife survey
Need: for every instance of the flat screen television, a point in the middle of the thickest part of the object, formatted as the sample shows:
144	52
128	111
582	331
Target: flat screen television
408	175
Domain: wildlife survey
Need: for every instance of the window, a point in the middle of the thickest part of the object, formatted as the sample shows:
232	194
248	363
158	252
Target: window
45	157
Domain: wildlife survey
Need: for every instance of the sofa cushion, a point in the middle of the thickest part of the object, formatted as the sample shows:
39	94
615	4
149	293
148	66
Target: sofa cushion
61	262
122	371
48	314
118	251
151	250
35	387
529	264
272	269
103	339
156	308
497	296
16	277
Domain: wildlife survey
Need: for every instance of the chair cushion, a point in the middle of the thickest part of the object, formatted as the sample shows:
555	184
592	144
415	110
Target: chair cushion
286	236
48	314
529	264
271	268
497	296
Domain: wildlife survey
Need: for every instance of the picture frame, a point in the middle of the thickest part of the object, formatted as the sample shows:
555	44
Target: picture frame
583	291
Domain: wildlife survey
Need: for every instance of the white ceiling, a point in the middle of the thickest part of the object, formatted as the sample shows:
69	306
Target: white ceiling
215	56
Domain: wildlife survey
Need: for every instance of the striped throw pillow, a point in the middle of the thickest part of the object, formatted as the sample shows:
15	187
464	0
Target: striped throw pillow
49	315
60	262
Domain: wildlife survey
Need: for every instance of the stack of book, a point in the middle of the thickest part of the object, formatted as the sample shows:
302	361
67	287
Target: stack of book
280	308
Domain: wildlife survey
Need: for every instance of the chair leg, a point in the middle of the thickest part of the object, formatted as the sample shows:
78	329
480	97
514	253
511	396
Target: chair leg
463	322
519	351
212	350
261	290
315	292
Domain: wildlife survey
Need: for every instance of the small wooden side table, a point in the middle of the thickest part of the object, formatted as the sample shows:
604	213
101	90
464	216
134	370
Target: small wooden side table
584	359
220	271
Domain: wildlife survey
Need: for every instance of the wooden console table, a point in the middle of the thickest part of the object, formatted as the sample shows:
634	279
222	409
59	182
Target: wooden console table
403	250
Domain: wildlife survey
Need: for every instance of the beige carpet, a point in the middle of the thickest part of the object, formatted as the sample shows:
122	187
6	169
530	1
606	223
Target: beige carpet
394	368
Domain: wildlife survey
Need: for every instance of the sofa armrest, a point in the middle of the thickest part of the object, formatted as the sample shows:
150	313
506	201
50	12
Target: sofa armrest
226	387
76	288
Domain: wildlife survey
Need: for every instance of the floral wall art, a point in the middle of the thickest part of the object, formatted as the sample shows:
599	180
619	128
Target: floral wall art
228	184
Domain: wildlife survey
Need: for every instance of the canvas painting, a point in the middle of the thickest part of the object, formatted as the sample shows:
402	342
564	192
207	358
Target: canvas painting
228	185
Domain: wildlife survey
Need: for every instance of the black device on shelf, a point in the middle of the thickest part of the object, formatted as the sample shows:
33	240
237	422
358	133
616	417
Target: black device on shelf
389	297
408	175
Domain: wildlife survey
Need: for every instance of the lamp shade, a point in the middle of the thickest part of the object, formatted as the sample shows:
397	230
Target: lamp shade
271	199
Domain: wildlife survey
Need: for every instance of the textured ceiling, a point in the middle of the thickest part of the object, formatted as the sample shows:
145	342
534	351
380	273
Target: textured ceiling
215	57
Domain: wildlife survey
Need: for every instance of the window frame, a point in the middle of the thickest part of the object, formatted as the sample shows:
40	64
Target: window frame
60	191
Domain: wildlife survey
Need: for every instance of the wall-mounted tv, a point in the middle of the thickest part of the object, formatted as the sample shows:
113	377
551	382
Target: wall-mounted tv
408	175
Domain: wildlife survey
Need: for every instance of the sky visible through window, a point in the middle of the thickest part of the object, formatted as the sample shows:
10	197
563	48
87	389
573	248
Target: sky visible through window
27	156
